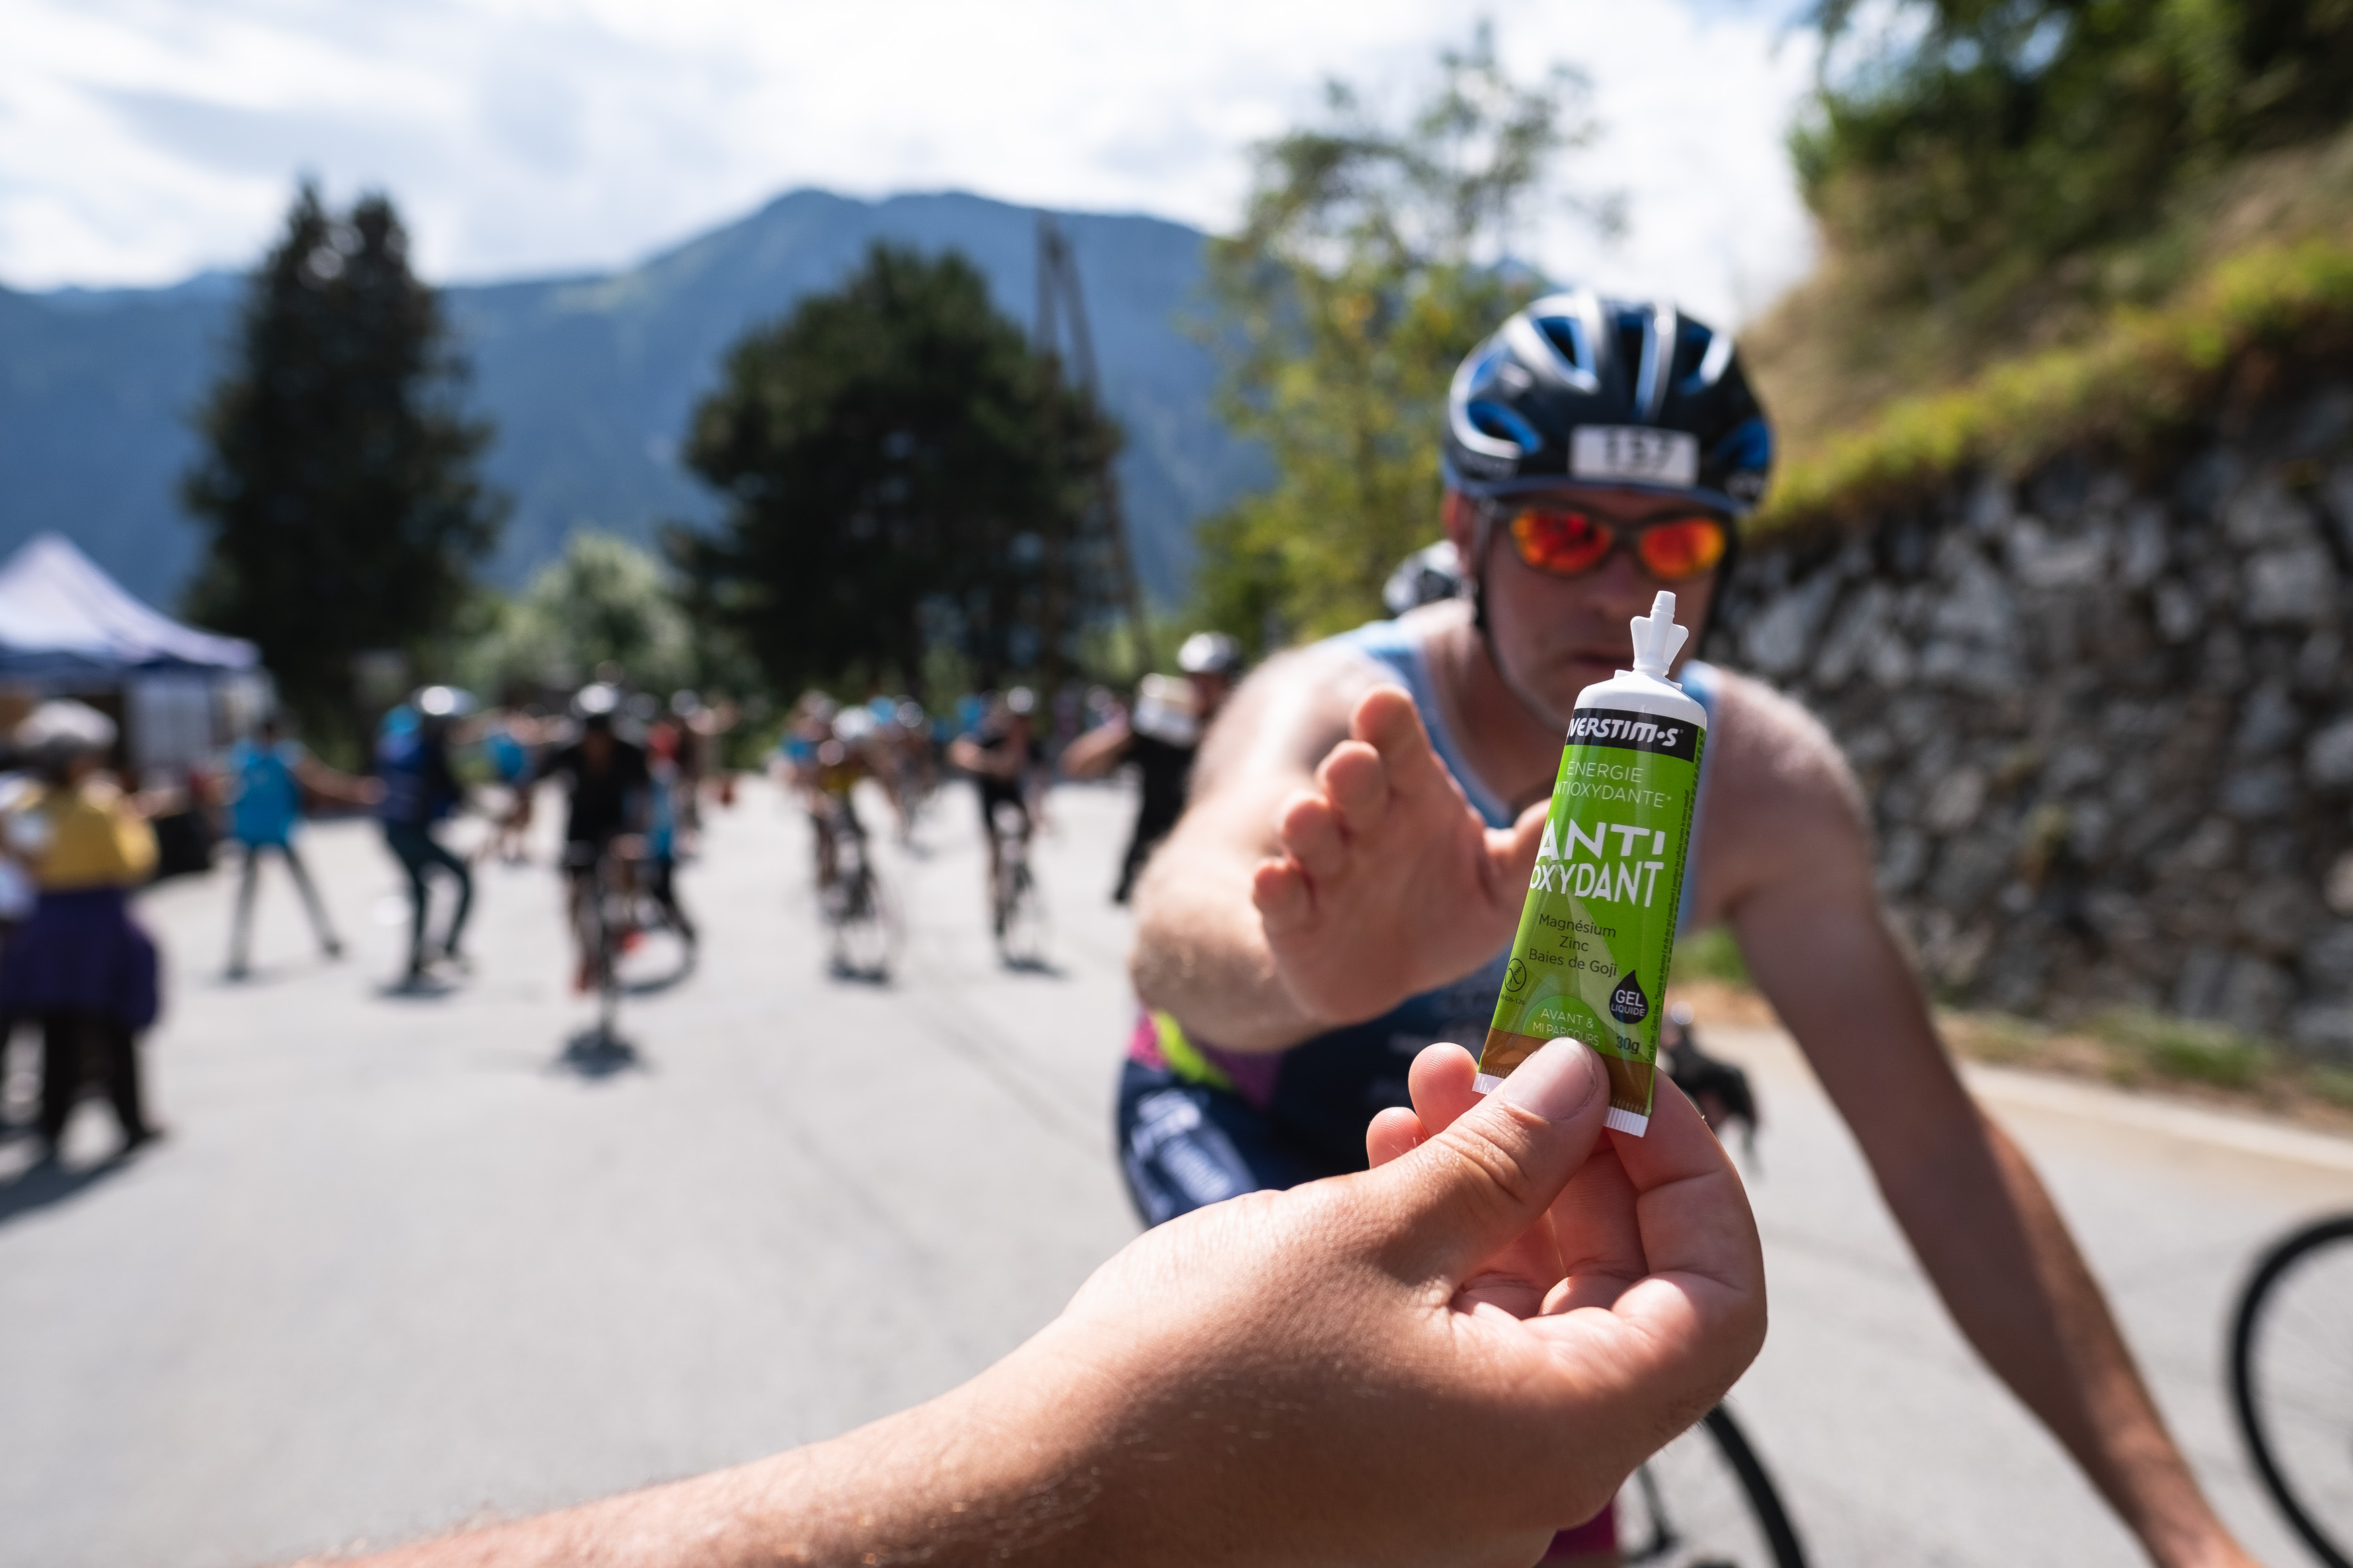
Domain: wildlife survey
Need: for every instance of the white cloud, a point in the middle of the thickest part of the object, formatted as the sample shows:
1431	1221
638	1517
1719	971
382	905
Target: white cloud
140	139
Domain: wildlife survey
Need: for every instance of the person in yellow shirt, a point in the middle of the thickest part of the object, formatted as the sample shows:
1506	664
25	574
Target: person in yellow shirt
81	964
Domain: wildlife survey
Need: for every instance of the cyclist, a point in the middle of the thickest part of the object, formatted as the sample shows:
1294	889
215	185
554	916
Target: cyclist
1160	737
270	774
1364	817
412	755
1001	755
609	784
824	756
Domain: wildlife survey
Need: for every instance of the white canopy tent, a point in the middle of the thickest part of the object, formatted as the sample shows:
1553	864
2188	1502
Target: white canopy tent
66	627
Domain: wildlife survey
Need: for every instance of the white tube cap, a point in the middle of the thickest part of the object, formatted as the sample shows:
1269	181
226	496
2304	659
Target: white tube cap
1657	639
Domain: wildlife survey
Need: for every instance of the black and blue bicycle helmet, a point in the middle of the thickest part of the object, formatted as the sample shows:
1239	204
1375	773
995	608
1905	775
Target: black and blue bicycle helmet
1581	389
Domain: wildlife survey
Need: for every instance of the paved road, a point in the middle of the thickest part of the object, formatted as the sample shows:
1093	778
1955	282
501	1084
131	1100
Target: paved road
412	1259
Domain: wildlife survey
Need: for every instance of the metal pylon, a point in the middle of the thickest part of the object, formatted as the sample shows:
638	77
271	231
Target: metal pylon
1063	312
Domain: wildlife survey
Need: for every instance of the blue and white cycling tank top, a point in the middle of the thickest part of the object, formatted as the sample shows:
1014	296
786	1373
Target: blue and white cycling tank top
1326	1089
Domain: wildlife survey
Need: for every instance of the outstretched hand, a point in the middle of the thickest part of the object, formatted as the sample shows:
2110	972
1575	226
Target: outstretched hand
1388	883
1440	1361
1443	1360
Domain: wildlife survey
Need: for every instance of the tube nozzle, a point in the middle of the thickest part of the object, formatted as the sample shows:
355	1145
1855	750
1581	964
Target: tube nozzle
1657	639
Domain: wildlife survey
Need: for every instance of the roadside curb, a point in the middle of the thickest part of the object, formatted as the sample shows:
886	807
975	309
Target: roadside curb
2240	1134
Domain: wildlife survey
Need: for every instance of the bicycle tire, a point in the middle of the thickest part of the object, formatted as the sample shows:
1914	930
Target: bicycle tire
1645	1502
864	937
609	942
1025	938
2262	1291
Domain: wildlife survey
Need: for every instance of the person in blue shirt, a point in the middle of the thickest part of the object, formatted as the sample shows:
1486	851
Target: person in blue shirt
510	753
267	775
412	757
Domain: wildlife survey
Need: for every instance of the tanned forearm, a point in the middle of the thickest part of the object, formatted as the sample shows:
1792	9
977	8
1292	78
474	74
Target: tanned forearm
1989	1236
983	1474
1200	951
1978	1218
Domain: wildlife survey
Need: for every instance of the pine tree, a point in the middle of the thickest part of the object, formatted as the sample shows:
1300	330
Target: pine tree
339	485
903	476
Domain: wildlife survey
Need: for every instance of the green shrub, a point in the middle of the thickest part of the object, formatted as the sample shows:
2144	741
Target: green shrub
2005	1038
2143	375
1712	954
2189	1049
2332	1084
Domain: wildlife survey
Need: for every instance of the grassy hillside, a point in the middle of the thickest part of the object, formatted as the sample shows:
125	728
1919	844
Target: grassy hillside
2047	221
1876	401
1839	348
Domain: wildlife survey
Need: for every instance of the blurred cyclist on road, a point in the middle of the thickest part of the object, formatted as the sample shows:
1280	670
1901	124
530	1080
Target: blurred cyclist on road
823	756
1001	755
608	784
412	763
1160	737
269	774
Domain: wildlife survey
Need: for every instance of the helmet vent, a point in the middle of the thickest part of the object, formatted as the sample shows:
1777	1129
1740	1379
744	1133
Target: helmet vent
1495	420
1566	336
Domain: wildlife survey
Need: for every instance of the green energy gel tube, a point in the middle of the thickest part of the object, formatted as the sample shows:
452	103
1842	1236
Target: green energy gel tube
1597	931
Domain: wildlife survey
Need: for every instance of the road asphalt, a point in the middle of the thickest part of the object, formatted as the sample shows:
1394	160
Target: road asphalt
411	1258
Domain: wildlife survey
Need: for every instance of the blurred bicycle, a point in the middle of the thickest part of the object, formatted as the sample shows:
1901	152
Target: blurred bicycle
2291	1382
851	900
1016	908
1705	1499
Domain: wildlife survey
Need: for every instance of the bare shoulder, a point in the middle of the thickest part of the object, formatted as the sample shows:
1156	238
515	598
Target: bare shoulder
1285	717
1779	790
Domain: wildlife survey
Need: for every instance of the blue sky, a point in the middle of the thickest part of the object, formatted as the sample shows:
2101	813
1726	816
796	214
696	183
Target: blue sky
142	140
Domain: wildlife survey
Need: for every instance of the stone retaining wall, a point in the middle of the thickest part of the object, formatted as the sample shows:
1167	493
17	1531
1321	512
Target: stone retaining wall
2104	719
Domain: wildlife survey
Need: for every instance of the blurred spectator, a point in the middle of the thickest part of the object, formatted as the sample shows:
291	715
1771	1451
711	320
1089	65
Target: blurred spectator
81	964
269	774
507	742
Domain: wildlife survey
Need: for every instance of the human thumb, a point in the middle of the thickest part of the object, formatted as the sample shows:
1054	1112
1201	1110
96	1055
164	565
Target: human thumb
1467	1193
1513	849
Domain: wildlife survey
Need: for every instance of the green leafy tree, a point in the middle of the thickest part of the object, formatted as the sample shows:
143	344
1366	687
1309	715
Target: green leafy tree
1966	146
603	599
1371	257
338	487
905	478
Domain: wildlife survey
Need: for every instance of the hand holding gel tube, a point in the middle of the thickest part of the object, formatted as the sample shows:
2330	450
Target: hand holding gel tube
1597	931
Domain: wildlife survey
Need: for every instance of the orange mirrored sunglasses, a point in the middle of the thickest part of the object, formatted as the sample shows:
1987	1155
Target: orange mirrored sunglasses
1569	541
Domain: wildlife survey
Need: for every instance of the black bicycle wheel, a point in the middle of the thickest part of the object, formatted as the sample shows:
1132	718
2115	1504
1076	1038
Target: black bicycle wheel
1705	1501
864	934
611	911
2291	1382
1023	935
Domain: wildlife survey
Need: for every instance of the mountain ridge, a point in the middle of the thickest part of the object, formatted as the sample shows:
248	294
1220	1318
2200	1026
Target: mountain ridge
591	375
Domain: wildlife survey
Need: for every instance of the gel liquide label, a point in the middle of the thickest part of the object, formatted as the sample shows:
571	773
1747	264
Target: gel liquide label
1597	931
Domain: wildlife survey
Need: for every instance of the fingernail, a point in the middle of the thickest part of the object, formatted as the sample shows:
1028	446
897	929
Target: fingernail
1556	1082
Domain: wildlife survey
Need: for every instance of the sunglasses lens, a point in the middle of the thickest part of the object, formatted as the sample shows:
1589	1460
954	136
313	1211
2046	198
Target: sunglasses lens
1672	551
1562	542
